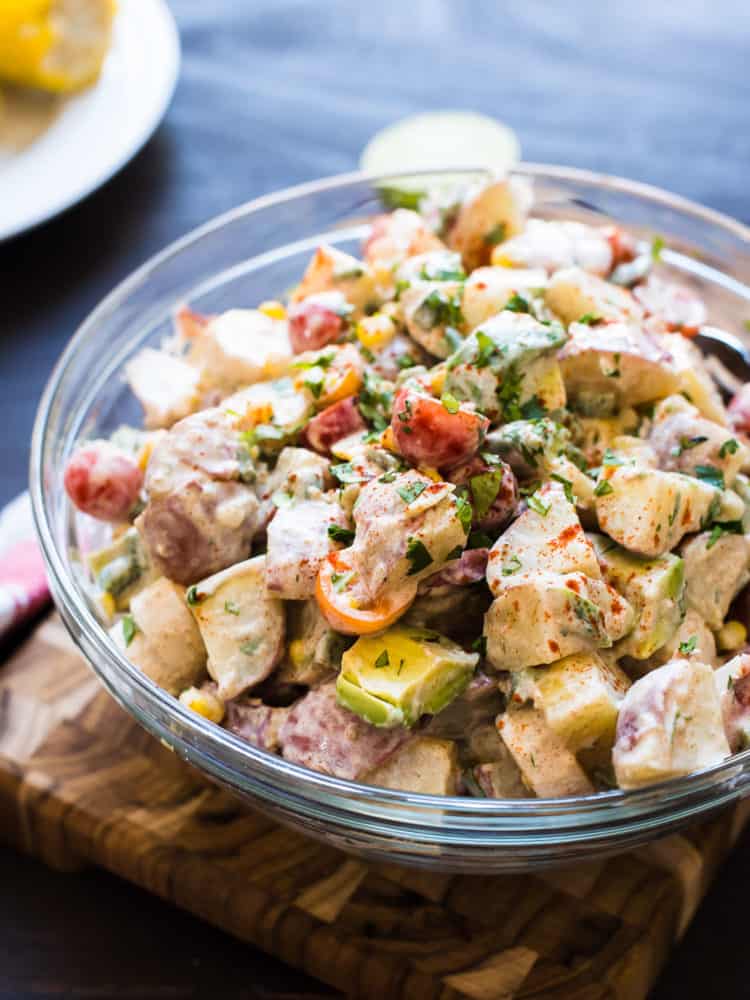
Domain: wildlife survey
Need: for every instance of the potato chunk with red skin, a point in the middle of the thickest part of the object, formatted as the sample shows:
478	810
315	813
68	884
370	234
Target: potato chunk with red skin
200	517
337	421
323	735
670	724
489	215
483	480
103	481
427	433
317	321
398	235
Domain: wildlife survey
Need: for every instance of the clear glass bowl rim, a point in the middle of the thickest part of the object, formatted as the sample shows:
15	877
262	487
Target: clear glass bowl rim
595	811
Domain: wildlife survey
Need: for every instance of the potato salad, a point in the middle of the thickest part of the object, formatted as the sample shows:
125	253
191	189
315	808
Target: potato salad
464	514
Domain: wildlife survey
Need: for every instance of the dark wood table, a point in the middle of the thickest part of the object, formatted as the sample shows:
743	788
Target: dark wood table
277	92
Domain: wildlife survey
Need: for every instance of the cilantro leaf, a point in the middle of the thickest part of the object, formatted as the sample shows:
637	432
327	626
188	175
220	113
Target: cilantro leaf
411	491
129	628
512	566
689	645
517	304
383	660
728	448
484	490
495	235
339	534
602	488
711	475
417	555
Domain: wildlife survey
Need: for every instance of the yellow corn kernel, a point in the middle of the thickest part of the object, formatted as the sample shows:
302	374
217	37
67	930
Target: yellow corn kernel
376	332
732	635
437	381
500	259
204	703
388	441
107	604
338	385
272	308
433	474
297	652
57	45
260	413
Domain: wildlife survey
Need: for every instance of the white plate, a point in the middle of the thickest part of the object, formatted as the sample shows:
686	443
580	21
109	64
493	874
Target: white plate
85	139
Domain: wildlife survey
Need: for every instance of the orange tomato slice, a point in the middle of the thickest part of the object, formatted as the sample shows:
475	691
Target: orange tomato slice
339	607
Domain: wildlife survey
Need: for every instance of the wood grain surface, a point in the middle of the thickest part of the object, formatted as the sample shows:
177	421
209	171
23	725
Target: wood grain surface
81	784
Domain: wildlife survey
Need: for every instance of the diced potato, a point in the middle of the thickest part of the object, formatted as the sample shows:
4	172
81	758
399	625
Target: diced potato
573	293
693	639
593	435
493	214
684	441
333	270
537	540
654	588
540	617
616	361
298	542
166	386
423	765
241	624
580	697
733	688
553	245
548	767
403	673
500	779
160	637
694	380
716	569
488	290
670	724
241	347
432	314
648	511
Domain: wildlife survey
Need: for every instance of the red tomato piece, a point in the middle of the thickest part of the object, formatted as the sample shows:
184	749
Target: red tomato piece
427	433
103	481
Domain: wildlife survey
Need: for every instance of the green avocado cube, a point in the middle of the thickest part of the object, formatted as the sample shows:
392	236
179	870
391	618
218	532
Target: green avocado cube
655	589
401	674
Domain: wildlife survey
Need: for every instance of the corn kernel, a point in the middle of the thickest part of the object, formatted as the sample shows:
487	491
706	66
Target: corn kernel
500	259
273	309
437	381
107	604
297	652
433	474
261	413
338	385
388	441
732	635
204	703
376	332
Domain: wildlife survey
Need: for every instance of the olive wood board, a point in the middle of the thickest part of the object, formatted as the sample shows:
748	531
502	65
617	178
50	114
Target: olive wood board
82	784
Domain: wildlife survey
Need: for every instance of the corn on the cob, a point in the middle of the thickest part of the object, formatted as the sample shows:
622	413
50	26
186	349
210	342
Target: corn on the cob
56	45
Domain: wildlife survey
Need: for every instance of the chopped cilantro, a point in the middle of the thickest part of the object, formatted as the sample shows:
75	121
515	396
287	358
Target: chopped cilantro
590	319
486	350
465	513
388	477
509	393
480	645
417	555
396	197
455	553
375	401
383	660
686	443
602	488
339	534
728	448
450	403
512	566
405	361
192	596
711	475
346	473
411	491
250	647
484	490
566	485
533	409
231	608
657	245
323	361
723	528
537	504
129	628
675	510
495	235
439	309
517	304
442	273
689	645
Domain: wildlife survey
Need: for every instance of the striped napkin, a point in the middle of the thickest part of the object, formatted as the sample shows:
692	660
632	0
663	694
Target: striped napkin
23	580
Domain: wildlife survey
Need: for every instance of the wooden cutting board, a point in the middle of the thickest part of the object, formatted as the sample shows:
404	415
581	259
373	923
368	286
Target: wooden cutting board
81	784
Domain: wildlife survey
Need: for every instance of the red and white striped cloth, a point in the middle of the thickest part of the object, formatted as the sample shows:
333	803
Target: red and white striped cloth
23	580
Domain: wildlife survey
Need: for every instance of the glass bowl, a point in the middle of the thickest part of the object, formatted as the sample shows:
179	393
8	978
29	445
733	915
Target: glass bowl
255	252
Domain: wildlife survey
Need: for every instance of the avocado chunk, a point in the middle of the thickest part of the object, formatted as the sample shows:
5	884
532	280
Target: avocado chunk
716	569
122	568
654	588
540	617
403	673
580	697
531	446
505	363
